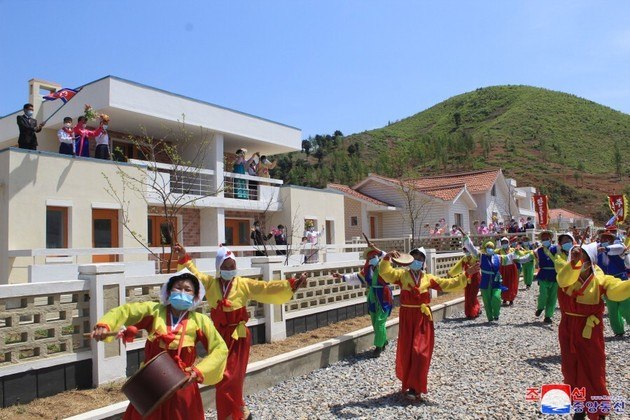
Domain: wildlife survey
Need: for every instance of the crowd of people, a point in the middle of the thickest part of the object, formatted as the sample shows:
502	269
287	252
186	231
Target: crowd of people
73	139
582	278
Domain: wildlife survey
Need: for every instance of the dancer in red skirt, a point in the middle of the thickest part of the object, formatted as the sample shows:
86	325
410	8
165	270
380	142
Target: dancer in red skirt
509	273
471	302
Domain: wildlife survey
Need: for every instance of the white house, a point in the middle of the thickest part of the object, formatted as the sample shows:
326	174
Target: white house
564	220
379	206
52	203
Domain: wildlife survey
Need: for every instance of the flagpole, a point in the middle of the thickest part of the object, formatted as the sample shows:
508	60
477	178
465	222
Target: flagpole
64	104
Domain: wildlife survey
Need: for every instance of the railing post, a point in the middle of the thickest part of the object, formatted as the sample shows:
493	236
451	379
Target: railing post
430	266
107	290
275	325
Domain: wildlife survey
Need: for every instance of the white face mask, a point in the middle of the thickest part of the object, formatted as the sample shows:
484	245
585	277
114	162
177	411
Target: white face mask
105	127
29	113
256	160
68	125
228	274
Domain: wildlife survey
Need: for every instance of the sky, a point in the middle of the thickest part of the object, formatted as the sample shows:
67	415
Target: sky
323	65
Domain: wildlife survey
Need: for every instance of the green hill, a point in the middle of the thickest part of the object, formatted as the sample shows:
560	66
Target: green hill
573	149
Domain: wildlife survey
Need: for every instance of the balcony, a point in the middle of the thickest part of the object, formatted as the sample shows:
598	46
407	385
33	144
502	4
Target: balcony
198	186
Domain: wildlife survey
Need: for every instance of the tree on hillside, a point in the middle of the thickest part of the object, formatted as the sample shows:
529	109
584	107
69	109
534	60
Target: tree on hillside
306	147
618	161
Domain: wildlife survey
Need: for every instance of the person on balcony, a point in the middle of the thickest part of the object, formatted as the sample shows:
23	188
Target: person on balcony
259	239
416	331
611	260
264	166
82	135
28	128
379	295
66	137
240	185
280	236
583	285
227	296
471	302
102	140
173	326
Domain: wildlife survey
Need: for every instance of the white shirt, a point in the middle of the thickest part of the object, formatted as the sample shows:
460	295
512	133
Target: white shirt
65	137
102	138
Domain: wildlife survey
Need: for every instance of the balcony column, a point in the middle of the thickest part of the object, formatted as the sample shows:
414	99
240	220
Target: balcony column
212	226
215	157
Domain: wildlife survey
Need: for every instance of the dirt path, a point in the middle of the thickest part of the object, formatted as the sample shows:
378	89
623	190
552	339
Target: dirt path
71	403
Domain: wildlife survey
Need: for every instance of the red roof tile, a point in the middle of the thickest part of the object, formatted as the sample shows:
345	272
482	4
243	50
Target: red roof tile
443	190
476	182
566	214
349	191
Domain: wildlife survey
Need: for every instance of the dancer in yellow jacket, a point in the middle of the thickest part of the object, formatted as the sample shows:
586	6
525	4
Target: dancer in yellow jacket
581	331
227	296
173	325
416	331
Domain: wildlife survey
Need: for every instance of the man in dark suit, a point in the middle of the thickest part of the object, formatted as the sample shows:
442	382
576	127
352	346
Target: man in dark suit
28	127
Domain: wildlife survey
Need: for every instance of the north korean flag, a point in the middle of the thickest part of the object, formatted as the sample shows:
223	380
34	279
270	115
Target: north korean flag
64	94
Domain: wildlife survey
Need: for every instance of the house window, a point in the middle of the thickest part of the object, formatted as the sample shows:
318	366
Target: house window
459	219
354	221
56	227
493	191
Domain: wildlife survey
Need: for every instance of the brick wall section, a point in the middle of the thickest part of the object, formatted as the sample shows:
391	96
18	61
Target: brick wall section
191	224
352	208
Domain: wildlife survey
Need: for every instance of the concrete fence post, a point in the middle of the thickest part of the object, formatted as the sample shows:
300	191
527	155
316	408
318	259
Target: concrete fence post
275	325
430	266
107	290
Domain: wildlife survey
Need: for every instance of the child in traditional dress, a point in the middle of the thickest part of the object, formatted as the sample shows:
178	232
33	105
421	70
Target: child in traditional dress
227	295
175	327
82	136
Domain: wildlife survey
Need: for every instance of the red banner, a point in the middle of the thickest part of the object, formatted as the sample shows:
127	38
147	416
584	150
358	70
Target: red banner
541	205
619	206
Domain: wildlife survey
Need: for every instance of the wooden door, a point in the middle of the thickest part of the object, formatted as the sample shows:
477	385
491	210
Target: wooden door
104	233
156	231
237	232
372	227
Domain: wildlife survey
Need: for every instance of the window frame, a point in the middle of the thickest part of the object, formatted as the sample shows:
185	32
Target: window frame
65	228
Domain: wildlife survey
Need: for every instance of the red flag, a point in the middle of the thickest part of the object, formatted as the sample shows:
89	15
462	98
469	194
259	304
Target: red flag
64	94
619	206
541	205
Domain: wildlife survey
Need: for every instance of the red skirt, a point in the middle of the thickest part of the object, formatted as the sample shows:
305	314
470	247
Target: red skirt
509	273
415	349
471	302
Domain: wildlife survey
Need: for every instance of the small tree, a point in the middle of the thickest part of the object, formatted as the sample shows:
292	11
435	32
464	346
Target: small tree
171	180
416	207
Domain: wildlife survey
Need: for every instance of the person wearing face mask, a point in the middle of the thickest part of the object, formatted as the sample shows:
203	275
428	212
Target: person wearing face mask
509	273
550	259
526	248
227	295
491	283
379	294
264	166
259	239
82	135
581	331
102	140
240	185
66	137
416	331
174	326
28	127
280	236
471	302
611	260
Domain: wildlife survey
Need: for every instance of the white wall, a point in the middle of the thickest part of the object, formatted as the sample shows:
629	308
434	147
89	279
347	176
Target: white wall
38	180
299	203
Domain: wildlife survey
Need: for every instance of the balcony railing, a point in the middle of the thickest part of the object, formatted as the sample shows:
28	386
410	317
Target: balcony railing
247	187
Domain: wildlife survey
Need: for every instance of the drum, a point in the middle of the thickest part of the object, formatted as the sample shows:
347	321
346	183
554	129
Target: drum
154	383
403	259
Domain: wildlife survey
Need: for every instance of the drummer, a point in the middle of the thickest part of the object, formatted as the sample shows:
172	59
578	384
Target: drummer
173	325
227	296
416	334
